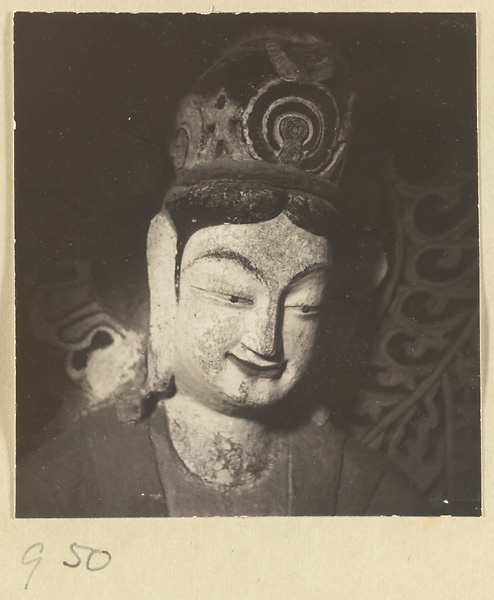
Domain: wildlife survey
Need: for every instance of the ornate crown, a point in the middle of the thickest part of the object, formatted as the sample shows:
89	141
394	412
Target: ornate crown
272	109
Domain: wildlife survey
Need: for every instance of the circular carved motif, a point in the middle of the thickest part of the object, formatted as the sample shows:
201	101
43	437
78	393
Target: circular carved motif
292	123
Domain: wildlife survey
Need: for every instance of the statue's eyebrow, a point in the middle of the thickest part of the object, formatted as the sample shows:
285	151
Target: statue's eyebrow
314	268
233	256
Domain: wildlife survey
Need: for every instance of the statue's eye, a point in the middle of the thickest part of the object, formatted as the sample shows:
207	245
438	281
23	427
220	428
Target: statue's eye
306	309
232	299
309	309
224	297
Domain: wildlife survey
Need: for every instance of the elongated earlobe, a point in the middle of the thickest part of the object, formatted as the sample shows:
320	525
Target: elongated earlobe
161	258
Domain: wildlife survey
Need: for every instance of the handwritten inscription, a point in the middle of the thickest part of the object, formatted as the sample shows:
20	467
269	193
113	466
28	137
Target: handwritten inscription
96	560
32	556
92	552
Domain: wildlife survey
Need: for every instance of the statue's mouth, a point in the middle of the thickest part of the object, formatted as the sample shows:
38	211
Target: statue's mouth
270	370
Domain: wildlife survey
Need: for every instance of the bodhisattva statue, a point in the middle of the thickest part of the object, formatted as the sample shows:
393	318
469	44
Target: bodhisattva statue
253	240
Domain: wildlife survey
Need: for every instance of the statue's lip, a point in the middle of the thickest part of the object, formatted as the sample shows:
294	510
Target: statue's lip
272	370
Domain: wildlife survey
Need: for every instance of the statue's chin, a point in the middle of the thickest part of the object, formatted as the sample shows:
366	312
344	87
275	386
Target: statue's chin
234	392
243	404
245	409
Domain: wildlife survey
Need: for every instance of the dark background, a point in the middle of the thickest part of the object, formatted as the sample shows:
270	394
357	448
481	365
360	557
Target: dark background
94	99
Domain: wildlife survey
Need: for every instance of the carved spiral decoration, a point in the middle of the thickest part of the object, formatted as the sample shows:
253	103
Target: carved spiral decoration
420	402
292	123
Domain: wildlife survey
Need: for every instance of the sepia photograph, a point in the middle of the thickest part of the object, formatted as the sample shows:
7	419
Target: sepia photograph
246	265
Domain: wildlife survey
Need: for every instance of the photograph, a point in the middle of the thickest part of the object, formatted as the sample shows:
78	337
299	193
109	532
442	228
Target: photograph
246	265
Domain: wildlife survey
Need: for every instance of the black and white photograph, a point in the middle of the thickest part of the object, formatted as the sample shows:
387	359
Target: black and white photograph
246	265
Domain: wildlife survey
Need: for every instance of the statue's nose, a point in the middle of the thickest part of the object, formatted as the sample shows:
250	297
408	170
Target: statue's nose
264	333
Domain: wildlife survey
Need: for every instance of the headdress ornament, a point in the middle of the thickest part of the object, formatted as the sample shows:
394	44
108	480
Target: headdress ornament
273	110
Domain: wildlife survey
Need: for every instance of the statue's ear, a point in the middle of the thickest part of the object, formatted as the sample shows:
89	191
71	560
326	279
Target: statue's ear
161	258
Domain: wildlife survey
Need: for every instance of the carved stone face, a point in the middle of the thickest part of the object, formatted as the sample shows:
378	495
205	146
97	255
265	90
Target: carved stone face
247	314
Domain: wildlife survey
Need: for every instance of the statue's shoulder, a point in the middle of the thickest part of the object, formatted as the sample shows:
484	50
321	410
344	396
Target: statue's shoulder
85	471
343	477
371	485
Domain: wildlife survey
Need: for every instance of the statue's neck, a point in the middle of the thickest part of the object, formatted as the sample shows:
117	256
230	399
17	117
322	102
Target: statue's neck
224	451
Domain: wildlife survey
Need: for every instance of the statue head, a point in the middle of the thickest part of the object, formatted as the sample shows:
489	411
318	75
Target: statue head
251	236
